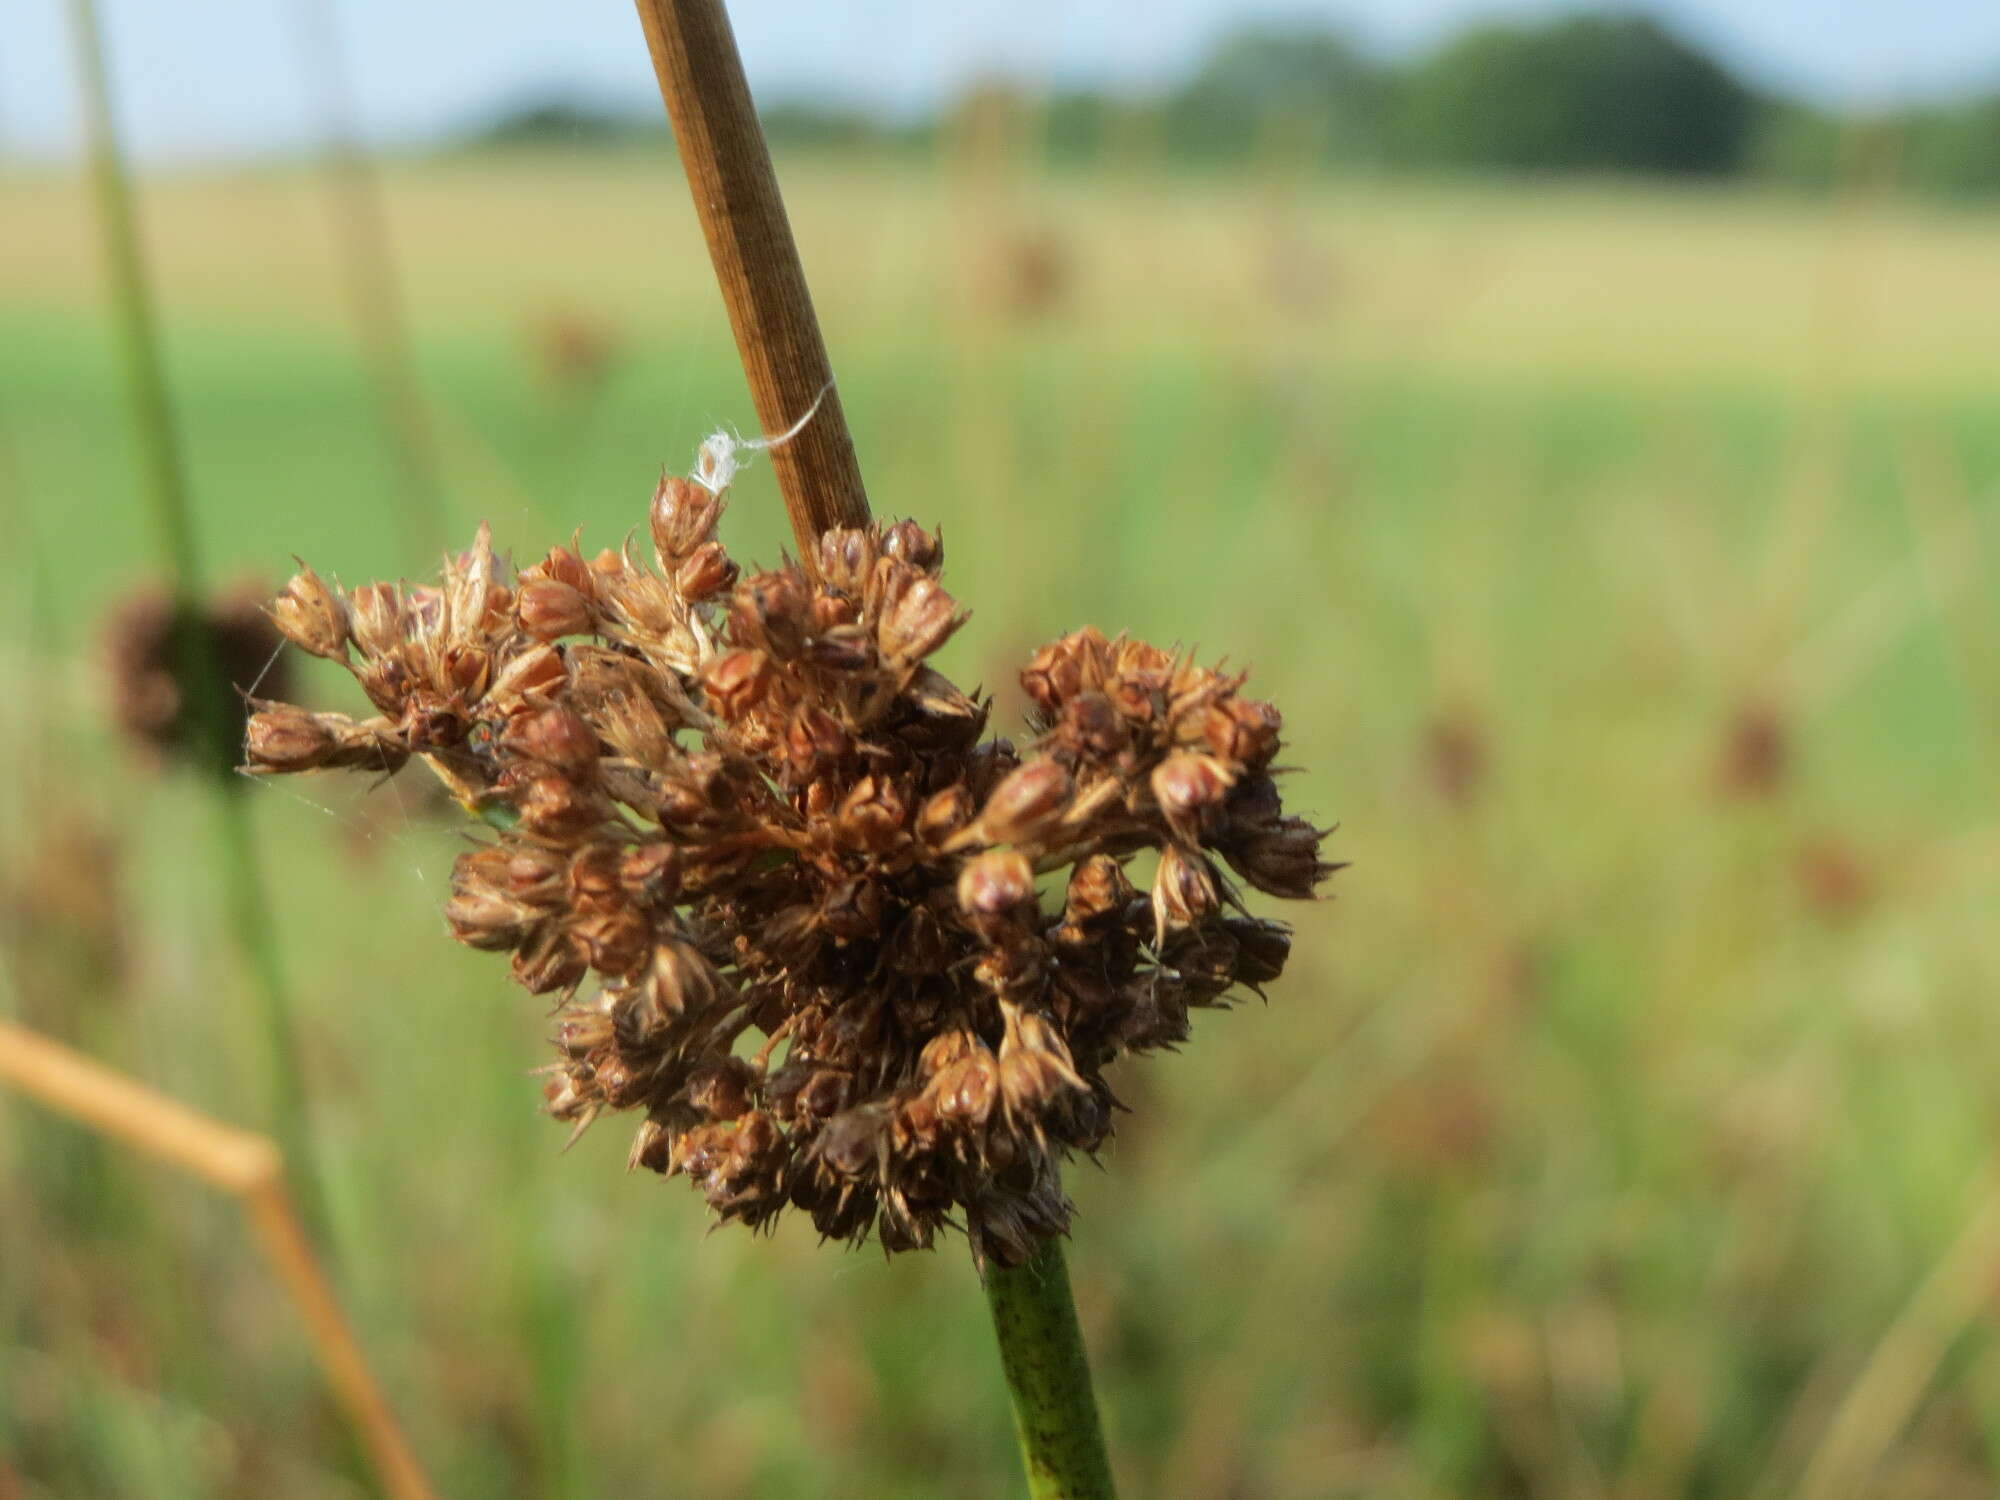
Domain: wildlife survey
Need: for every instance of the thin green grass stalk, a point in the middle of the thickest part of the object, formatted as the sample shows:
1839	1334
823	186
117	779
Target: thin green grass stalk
1048	1375
247	913
373	290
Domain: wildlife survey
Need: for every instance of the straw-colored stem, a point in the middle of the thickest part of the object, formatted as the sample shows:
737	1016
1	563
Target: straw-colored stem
201	672
756	263
1048	1375
249	1168
777	335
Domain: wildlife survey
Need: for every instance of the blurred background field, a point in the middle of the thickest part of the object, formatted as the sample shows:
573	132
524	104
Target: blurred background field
1620	552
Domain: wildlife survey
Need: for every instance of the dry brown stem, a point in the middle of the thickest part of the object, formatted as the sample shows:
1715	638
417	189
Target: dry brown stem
250	1168
756	262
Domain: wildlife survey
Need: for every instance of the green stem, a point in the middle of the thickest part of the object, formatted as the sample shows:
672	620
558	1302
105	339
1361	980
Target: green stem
1048	1375
374	294
203	678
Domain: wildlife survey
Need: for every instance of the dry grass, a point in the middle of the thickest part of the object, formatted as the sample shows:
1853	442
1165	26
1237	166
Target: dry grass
1624	1127
1478	280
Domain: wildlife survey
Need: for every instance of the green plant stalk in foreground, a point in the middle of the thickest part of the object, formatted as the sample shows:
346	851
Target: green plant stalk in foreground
1048	1376
247	912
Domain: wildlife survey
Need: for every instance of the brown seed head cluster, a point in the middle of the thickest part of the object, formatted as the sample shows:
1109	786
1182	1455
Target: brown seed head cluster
146	645
840	951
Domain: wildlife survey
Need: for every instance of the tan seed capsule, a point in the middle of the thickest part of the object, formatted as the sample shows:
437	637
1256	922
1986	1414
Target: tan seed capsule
548	610
944	815
539	672
566	565
1091	726
833	612
1024	805
680	982
529	873
946	1048
682	518
557	737
1098	890
593	875
736	683
1190	789
1183	891
967	1091
721	1091
921	620
311	616
852	1142
773	610
1243	730
377	618
846	558
582	1032
908	542
1015	969
814	742
1134	698
548	961
915	1128
757	1136
482	918
652	1148
553	807
650	875
707	572
286	738
844	648
871	815
995	882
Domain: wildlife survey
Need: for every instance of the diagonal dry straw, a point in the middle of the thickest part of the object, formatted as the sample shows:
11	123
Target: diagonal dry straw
202	675
250	1169
777	335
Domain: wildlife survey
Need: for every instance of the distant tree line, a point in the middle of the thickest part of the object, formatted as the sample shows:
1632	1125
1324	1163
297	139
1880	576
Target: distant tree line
1581	94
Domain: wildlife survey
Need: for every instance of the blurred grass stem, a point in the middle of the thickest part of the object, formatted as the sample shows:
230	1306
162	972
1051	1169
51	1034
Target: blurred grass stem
373	293
203	680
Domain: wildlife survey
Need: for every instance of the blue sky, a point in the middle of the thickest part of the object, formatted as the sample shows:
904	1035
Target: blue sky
227	78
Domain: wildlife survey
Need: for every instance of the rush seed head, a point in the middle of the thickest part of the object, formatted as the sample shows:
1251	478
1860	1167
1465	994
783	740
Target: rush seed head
838	949
151	645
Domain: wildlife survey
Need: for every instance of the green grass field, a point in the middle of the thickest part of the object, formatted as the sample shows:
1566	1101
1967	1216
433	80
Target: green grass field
1624	1127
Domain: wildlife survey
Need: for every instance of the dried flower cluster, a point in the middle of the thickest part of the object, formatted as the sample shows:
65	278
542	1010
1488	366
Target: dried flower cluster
808	891
144	643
